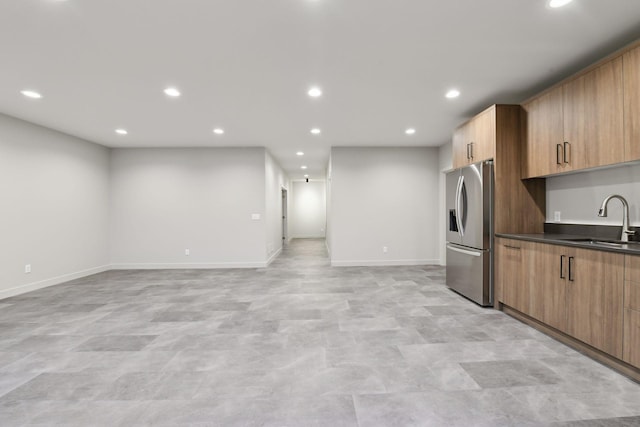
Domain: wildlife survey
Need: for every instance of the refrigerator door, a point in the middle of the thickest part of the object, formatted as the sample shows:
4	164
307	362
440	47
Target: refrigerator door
452	183
469	273
475	206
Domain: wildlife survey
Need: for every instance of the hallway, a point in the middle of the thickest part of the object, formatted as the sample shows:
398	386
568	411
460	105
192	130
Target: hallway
298	343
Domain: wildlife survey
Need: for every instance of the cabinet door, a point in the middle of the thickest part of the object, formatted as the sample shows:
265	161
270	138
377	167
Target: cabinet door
632	105
603	137
513	289
482	136
594	298
546	273
574	113
631	336
544	135
459	148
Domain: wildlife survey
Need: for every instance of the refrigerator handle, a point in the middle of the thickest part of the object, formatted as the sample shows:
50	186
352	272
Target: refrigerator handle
459	208
463	251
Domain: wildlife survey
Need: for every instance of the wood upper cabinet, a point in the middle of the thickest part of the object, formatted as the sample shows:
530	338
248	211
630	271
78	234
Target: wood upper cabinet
543	121
577	125
460	150
511	286
631	62
474	141
602	128
594	298
631	337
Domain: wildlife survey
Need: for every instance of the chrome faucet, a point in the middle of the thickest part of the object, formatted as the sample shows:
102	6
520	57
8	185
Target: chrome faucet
626	232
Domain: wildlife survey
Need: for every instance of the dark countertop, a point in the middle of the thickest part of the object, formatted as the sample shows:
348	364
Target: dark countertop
632	248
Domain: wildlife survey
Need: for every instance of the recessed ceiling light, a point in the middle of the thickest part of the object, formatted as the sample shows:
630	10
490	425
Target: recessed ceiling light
453	93
121	131
172	92
315	131
31	94
558	3
218	131
410	131
315	92
299	153
303	167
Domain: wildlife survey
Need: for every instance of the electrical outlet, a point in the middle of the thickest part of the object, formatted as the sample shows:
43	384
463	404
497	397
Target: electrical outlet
385	249
187	252
255	217
556	216
27	268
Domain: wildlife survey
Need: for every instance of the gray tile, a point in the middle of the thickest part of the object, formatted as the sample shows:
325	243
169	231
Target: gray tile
510	373
296	343
116	343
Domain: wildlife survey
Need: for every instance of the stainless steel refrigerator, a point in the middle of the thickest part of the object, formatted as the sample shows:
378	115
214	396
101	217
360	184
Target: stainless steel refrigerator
469	199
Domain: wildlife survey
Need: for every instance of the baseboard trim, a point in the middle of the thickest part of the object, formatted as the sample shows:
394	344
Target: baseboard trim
23	289
183	266
384	262
274	256
595	354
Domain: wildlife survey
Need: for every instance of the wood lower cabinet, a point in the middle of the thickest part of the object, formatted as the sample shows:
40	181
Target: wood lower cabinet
509	279
576	291
631	66
594	298
547	276
631	340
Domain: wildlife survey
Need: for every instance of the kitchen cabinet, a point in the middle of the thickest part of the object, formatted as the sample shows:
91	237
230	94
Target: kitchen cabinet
577	125
631	339
474	141
594	282
576	291
631	65
547	276
509	278
543	121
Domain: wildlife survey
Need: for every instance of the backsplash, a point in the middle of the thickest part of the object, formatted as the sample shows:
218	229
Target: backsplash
578	196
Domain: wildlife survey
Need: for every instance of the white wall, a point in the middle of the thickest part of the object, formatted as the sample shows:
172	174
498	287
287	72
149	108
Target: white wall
54	207
308	215
579	196
164	201
275	181
328	209
384	197
445	163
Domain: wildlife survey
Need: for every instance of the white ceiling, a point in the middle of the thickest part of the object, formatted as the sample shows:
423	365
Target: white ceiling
246	65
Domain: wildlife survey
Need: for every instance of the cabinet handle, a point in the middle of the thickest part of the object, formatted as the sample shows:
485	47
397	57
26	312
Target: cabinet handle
471	147
512	247
558	155
571	269
468	152
566	152
562	266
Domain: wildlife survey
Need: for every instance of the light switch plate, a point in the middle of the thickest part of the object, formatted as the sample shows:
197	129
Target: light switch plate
255	217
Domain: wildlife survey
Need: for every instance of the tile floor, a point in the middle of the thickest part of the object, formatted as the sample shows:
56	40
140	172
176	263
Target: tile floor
296	344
